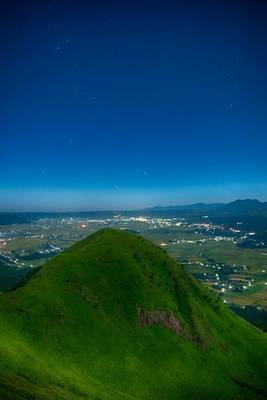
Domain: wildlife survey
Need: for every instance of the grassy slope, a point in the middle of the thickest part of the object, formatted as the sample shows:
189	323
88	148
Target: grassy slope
71	332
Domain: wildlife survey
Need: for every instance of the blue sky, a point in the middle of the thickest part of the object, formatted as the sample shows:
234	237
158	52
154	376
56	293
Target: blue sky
122	105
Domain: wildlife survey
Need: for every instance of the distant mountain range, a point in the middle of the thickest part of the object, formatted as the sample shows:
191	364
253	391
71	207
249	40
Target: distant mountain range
251	207
7	218
194	206
248	207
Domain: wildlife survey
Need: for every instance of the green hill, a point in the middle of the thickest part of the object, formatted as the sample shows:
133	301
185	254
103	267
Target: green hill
115	318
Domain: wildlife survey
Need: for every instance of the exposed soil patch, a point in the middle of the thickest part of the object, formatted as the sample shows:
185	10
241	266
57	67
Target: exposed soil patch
164	318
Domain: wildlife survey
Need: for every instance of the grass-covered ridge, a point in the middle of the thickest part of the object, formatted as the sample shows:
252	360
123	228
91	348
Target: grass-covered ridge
72	330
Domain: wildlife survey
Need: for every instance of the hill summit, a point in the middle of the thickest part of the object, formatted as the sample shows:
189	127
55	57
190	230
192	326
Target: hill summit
115	318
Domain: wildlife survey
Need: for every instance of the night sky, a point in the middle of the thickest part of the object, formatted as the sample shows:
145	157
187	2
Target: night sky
116	105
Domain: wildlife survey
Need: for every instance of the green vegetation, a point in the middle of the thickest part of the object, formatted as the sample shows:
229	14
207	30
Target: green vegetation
71	331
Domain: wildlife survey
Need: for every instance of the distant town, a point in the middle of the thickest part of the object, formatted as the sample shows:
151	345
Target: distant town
211	252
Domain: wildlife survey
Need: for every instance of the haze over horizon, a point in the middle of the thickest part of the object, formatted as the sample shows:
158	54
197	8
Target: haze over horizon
84	201
126	106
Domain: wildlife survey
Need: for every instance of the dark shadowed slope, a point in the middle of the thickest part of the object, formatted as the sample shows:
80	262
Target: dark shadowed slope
115	318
